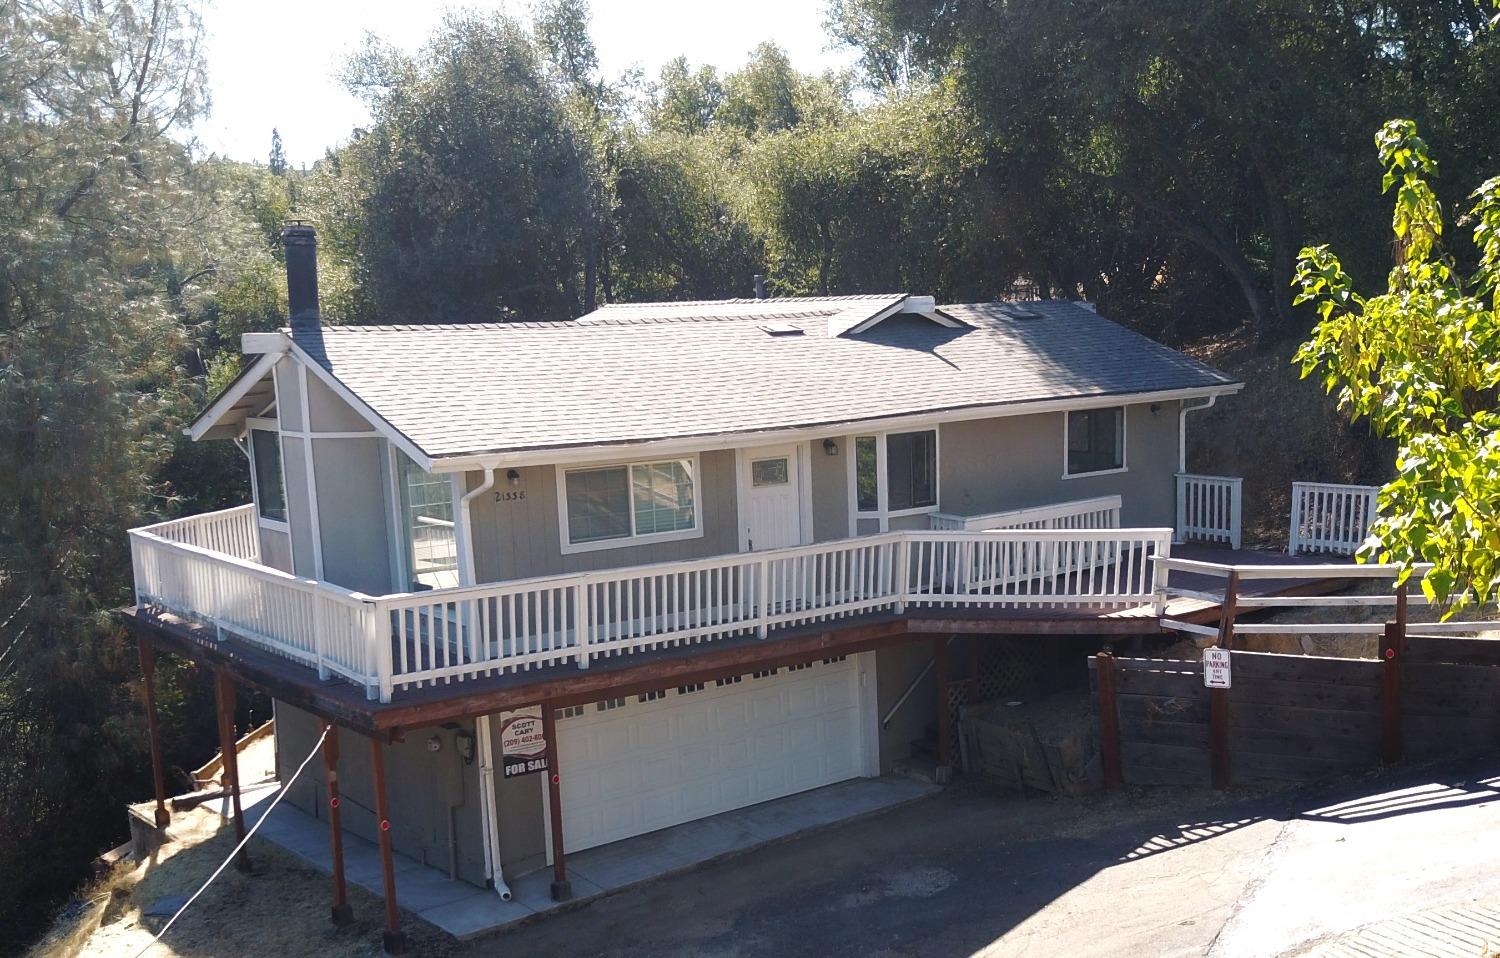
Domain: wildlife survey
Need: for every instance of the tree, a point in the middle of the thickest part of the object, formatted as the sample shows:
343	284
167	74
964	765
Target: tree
277	162
469	194
114	248
1421	363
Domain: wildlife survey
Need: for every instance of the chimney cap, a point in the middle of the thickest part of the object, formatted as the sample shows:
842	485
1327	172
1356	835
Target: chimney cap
298	232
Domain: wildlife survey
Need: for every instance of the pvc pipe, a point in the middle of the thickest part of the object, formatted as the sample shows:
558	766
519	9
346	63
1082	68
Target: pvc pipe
1182	430
488	796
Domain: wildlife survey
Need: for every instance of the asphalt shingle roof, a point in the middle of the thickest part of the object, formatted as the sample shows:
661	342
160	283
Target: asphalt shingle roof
663	371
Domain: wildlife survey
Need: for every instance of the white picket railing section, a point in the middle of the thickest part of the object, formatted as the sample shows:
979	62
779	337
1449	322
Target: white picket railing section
1102	512
1330	517
1208	508
393	642
234	532
315	623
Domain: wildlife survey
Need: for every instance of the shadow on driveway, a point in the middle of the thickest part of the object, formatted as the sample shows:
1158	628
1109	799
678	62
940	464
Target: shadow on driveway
1143	872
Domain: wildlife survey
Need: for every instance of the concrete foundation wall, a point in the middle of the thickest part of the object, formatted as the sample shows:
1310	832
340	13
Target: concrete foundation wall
433	796
895	668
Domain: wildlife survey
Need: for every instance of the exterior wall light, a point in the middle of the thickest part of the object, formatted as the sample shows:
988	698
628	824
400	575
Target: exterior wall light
513	477
830	447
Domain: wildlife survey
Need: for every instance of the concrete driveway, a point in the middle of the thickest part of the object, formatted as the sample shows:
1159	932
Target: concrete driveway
1406	863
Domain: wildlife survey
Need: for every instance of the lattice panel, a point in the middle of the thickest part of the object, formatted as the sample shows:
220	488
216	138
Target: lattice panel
1010	667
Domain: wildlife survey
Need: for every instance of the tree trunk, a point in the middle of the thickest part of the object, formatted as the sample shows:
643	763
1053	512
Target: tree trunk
590	274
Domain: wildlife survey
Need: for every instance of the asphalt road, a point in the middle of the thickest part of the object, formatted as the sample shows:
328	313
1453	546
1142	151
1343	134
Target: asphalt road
1406	863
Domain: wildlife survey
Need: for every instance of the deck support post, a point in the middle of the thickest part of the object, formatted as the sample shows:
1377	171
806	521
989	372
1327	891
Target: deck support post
1109	721
943	667
562	889
153	729
341	913
1392	650
391	938
224	697
1218	699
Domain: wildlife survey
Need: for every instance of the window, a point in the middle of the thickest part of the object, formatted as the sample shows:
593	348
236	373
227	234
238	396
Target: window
270	490
867	469
427	520
636	500
908	480
1095	441
769	472
911	470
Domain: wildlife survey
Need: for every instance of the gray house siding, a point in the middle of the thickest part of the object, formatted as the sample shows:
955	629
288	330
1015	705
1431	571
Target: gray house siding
350	476
519	538
433	796
830	490
993	465
275	549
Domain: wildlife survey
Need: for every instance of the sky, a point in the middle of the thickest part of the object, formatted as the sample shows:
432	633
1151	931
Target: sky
272	63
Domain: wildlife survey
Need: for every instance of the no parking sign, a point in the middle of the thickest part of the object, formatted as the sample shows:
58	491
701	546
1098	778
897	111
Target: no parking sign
1216	668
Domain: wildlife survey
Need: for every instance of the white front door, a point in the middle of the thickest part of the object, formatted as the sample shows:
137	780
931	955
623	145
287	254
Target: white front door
772	510
644	762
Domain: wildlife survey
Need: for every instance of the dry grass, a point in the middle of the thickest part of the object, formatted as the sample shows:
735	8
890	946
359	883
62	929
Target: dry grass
281	909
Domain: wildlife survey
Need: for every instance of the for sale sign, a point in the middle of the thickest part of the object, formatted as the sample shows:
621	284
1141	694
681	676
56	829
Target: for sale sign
523	744
1216	668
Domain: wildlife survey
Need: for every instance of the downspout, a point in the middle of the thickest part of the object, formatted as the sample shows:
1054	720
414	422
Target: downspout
1182	431
489	806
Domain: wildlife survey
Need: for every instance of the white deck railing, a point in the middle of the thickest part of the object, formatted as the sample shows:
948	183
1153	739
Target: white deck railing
315	623
234	532
392	642
1102	512
1330	517
1208	508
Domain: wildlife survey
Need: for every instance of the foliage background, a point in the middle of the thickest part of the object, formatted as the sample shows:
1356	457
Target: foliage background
1162	158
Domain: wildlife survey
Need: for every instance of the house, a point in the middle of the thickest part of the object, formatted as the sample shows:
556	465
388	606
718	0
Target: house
582	580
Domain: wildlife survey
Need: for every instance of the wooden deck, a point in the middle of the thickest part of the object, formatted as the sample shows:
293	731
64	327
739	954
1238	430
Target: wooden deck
647	670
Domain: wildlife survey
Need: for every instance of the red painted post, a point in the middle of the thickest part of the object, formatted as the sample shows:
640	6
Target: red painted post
562	889
1109	721
153	729
342	914
1391	648
1218	699
224	697
392	939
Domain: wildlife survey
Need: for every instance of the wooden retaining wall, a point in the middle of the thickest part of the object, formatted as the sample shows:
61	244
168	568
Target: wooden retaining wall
1295	717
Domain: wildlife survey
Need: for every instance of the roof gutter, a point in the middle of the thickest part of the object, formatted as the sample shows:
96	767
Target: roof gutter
596	452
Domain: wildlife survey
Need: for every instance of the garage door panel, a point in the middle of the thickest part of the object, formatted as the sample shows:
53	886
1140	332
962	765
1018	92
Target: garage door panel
651	765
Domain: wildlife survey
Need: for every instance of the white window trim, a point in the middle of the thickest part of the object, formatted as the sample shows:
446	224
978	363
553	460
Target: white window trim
632	540
884	513
1124	444
272	426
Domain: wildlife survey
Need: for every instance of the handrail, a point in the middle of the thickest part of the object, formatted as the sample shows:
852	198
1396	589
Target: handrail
1105	506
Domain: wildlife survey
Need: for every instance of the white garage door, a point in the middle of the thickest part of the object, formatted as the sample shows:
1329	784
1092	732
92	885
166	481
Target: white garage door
641	763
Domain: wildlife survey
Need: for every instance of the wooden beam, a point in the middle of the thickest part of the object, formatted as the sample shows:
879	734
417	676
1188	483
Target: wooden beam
1218	699
562	889
153	729
1109	722
224	698
1390	692
392	939
341	913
